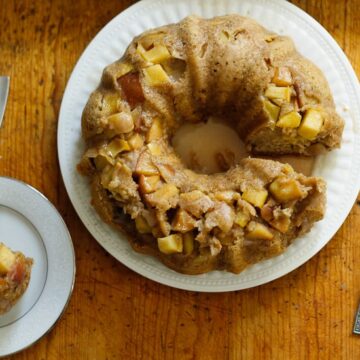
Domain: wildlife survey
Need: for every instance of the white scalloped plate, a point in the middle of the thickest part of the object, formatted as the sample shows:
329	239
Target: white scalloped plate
340	168
30	223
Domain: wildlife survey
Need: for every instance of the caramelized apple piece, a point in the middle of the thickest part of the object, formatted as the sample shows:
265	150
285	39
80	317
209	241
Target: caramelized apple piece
140	49
155	75
7	259
278	102
171	244
277	217
290	120
257	197
284	189
145	166
123	69
141	225
227	196
121	122
276	92
116	147
286	108
100	162
157	54
267	211
167	171
183	221
241	219
258	231
188	243
148	184
136	141
281	224
165	198
155	132
282	76
272	109
311	124
109	103
155	149
131	86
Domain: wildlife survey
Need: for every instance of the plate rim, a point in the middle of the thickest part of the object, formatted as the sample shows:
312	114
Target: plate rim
46	202
340	56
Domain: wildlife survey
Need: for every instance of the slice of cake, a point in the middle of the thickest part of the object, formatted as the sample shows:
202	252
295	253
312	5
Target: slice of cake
15	270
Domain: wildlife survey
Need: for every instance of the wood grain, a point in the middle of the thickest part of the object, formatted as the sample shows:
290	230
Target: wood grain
117	314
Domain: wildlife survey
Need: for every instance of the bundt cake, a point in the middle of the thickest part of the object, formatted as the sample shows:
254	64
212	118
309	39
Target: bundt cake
15	270
253	79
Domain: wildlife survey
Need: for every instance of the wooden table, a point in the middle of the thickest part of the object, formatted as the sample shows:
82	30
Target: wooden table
115	313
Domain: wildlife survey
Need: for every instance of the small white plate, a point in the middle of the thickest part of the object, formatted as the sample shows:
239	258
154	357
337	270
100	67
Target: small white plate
30	223
340	168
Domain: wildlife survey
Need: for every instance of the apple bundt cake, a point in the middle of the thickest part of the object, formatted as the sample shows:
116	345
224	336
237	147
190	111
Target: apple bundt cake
232	68
15	270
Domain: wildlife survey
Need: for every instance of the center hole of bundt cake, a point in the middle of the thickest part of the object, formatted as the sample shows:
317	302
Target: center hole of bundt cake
209	147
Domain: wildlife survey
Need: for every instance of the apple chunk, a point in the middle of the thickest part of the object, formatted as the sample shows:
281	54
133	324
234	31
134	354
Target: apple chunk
7	259
123	69
142	226
311	124
136	141
227	196
121	122
155	75
183	221
257	197
101	161
242	219
171	244
281	224
116	147
154	148
188	243
148	184
157	54
272	109
258	231
282	76
155	132
283	189
278	92
290	120
145	166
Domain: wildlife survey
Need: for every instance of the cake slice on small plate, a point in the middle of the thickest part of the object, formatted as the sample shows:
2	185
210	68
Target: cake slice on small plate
15	270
